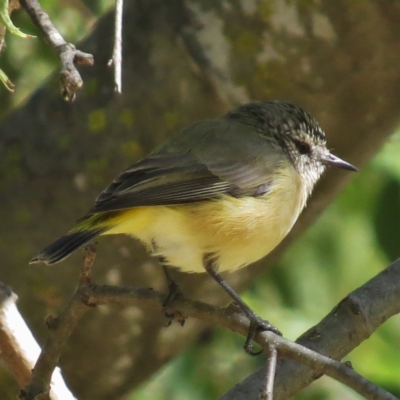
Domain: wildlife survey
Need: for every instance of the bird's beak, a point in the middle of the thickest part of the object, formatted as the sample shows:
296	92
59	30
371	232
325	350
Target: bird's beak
335	161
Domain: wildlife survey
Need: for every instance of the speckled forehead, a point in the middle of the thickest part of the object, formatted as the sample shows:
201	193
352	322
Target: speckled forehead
312	130
311	127
304	130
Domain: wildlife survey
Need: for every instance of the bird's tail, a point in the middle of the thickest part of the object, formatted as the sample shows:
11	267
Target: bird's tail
65	245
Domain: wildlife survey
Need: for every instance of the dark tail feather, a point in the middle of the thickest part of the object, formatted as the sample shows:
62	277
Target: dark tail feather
64	246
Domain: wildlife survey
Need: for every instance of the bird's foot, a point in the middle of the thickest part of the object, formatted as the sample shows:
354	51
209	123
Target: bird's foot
257	325
173	293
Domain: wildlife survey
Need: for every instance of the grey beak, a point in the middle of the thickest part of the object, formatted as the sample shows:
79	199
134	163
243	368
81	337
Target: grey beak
335	161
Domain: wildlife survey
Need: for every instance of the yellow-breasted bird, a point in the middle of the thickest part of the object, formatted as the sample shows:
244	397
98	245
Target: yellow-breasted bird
217	195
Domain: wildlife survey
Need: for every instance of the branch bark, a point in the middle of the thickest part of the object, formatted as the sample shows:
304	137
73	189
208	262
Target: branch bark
70	79
19	349
63	154
353	320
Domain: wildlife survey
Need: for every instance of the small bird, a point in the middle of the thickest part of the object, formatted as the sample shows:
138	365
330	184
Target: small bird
217	196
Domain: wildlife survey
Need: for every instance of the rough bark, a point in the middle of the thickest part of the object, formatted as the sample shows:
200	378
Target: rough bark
183	61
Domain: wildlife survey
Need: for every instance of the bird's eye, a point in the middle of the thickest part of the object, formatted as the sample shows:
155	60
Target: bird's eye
302	147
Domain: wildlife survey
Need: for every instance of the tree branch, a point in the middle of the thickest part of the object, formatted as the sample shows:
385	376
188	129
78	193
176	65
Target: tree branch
352	321
116	60
19	349
70	79
219	80
60	330
272	360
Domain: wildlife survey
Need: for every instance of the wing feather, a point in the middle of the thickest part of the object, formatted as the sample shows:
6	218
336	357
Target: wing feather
197	164
161	181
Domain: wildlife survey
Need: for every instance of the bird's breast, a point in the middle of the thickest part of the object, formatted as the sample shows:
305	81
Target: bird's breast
238	230
241	231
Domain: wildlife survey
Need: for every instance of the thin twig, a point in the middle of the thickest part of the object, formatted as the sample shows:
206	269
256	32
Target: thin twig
116	60
325	365
2	38
70	79
55	343
236	322
60	330
88	262
19	349
352	321
362	312
272	359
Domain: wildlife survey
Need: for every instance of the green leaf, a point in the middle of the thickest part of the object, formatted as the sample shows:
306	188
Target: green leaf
6	82
6	21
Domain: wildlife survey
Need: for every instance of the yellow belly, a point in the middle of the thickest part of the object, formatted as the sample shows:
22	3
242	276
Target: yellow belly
240	231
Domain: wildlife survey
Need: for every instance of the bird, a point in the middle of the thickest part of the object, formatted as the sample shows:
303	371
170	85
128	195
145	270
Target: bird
216	196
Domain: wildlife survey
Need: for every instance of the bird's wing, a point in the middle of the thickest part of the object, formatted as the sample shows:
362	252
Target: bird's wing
189	172
166	180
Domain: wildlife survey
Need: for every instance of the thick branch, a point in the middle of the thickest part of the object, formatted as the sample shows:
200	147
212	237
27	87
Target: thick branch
351	322
218	79
19	349
346	79
70	79
60	330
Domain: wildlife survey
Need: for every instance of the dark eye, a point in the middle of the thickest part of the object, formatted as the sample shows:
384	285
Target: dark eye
302	147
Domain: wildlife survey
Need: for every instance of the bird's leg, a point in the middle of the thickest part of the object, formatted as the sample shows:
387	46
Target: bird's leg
173	291
173	288
256	323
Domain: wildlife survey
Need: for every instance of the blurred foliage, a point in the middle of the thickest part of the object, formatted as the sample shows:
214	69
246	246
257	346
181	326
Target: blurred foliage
352	241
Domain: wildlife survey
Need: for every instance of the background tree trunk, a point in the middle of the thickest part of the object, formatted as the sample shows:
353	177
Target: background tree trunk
183	61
